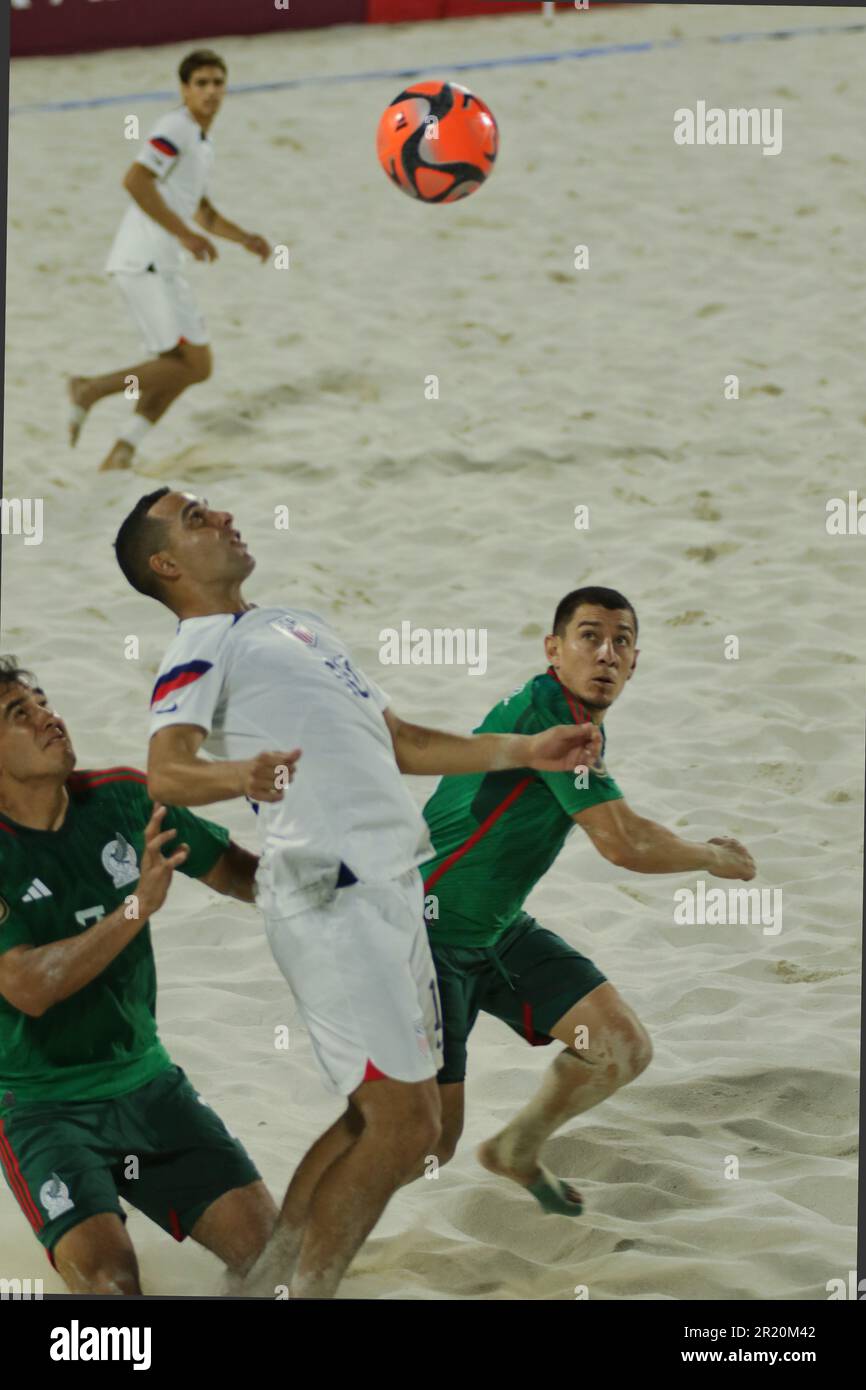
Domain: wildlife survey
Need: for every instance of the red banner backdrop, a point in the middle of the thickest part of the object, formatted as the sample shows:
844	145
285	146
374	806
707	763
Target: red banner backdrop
398	11
80	26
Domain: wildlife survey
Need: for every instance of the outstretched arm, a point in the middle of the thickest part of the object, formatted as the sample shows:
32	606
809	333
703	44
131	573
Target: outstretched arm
207	216
177	776
432	753
632	842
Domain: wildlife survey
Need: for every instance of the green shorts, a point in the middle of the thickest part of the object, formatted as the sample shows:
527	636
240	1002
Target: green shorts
529	979
160	1148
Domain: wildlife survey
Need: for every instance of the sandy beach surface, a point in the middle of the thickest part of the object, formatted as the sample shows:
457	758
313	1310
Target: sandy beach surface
557	388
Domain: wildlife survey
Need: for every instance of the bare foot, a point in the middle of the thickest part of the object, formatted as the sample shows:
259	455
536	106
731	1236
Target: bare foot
120	455
274	1269
233	1285
495	1157
79	405
553	1194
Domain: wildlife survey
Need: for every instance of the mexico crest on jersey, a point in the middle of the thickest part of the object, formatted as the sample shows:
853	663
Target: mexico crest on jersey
291	628
119	860
54	1196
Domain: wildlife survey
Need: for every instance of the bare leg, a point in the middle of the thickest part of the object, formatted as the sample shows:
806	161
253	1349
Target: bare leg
160	373
618	1049
236	1227
156	374
97	1257
151	406
343	1185
158	382
451	1098
401	1122
276	1266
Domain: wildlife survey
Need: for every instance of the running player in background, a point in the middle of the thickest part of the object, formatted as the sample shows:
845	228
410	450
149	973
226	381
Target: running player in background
168	185
338	882
92	1108
496	834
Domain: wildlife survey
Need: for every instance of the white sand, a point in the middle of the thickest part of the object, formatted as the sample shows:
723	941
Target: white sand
558	387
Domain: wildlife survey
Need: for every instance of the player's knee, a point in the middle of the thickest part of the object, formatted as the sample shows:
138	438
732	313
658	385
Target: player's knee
198	363
640	1051
414	1143
410	1123
620	1051
206	366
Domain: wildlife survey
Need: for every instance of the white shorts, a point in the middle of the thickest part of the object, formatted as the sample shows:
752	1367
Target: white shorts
163	308
363	977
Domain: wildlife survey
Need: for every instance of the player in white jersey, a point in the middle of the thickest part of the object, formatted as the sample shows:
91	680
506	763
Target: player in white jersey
168	184
338	883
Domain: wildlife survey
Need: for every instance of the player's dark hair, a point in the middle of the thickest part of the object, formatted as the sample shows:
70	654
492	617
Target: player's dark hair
139	537
13	674
200	58
590	593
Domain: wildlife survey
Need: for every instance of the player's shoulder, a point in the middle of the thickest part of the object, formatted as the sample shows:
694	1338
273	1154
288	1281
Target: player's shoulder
509	714
99	783
199	635
175	127
198	646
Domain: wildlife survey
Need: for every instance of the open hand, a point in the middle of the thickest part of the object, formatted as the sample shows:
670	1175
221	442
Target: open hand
199	246
157	869
565	748
256	245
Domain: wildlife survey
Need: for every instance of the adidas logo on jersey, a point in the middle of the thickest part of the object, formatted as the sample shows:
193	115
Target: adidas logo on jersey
36	891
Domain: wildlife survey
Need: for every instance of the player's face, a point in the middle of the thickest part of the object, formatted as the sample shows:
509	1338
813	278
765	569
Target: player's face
597	654
204	545
34	741
203	93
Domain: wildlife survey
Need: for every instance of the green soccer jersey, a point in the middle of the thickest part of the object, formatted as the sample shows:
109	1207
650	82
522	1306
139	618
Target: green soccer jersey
101	1041
496	833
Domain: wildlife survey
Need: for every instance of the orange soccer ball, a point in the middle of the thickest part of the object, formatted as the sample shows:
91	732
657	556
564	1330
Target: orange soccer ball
437	141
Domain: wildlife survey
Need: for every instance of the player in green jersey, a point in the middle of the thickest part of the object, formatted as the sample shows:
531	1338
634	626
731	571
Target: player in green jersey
495	835
91	1106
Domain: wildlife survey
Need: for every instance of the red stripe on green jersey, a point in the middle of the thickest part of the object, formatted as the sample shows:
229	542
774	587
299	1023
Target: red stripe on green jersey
497	833
477	834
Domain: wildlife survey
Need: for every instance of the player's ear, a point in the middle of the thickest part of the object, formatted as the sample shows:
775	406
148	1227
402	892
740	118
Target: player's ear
162	564
551	649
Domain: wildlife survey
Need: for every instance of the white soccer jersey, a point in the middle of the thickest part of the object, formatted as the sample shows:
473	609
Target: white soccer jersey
181	156
277	679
